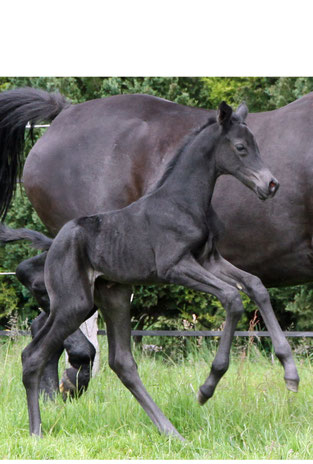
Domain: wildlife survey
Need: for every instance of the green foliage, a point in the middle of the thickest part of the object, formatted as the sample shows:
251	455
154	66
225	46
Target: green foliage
9	298
260	93
183	90
288	89
13	294
196	310
252	90
71	87
301	307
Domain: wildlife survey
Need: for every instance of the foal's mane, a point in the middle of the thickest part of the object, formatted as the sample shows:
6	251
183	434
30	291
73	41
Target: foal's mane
186	142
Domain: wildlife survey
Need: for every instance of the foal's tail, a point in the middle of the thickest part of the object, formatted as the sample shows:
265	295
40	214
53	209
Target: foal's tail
17	108
37	239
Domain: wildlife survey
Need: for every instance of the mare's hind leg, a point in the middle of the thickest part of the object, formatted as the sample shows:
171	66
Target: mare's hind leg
80	351
114	304
253	287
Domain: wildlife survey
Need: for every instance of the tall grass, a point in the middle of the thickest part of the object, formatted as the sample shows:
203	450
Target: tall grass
251	416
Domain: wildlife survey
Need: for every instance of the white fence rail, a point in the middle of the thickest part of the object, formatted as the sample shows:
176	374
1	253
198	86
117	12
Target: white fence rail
28	126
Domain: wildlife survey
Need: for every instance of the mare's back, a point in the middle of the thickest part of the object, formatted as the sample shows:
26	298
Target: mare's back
104	154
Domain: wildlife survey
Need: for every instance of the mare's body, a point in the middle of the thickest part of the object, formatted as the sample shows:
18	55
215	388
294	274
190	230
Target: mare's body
103	154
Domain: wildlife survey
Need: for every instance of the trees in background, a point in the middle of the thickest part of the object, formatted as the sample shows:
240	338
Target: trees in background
167	306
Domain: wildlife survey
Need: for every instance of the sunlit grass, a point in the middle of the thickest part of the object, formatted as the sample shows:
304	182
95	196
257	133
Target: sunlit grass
251	416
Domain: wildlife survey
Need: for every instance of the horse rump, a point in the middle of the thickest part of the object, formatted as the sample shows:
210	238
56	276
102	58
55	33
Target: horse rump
17	108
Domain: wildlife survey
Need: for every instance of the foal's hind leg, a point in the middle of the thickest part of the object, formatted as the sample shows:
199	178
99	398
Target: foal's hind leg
253	287
35	356
114	304
71	302
80	351
49	381
31	274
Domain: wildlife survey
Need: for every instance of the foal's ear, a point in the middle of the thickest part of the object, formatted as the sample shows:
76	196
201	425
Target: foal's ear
224	114
242	111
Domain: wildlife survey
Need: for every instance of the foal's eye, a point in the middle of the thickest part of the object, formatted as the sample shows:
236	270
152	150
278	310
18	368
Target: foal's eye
240	147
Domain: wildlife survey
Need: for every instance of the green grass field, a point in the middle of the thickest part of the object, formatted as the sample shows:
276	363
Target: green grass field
251	416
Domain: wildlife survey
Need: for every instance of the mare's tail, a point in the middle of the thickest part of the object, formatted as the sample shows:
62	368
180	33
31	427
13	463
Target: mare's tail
37	239
17	108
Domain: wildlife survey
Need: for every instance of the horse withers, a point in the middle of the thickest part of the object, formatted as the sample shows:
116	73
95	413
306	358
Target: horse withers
165	236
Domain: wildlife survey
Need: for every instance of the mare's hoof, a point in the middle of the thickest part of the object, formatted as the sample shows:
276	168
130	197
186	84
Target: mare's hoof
201	398
292	385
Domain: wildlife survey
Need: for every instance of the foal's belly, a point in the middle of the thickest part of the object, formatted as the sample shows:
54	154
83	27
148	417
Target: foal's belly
122	256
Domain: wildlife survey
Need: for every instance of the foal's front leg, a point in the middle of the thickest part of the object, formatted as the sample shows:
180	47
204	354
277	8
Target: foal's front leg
114	304
190	273
253	287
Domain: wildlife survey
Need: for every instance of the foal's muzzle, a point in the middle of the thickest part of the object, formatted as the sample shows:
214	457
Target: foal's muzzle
269	192
273	187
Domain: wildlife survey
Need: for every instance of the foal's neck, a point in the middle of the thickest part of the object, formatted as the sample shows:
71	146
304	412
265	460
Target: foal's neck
191	179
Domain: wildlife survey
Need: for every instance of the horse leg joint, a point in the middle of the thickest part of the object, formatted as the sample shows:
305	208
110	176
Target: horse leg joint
232	303
258	291
123	368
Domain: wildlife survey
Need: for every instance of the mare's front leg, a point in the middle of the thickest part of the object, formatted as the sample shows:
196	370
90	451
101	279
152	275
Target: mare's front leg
253	287
114	304
190	273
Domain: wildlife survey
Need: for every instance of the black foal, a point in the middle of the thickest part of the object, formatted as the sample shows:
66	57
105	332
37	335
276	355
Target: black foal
165	236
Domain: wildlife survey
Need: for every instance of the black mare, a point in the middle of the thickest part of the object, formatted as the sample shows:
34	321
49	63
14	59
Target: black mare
165	236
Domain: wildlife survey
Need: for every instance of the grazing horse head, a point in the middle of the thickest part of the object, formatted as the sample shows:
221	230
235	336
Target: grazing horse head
238	153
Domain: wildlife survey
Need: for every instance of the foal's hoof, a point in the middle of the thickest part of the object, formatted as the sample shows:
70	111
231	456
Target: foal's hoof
179	437
67	387
73	383
201	398
292	385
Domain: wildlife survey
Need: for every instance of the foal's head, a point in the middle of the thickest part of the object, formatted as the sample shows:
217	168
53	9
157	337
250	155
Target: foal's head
237	152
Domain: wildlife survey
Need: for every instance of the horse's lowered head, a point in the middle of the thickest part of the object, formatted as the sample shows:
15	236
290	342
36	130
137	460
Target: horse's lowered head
238	153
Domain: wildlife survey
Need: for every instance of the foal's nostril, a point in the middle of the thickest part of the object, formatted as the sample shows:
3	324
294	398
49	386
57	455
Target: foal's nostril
273	186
